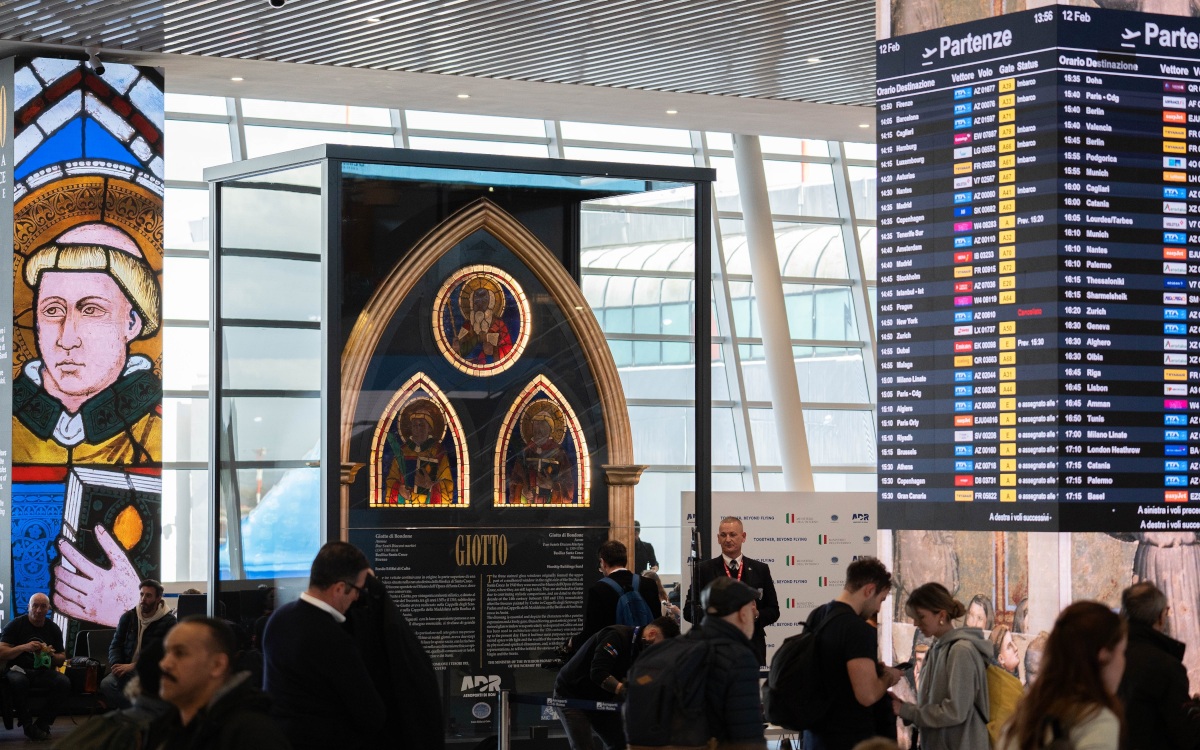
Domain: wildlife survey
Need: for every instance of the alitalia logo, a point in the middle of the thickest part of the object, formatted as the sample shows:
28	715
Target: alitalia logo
789	560
822	539
822	581
789	518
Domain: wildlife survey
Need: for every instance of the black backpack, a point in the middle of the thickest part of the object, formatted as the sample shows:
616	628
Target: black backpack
664	703
794	696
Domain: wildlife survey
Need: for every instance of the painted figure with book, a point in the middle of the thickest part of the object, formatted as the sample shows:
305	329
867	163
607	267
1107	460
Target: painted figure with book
420	470
86	337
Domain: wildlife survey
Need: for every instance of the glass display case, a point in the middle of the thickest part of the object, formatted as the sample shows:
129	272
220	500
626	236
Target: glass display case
405	357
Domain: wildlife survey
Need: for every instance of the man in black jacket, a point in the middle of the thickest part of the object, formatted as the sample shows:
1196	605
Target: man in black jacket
597	673
600	606
732	701
217	710
731	563
1155	686
139	627
323	696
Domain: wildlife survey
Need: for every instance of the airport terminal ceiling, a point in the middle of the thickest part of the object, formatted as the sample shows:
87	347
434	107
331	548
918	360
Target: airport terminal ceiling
788	67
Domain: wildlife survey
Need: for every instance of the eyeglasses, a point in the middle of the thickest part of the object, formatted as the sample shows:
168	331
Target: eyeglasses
361	591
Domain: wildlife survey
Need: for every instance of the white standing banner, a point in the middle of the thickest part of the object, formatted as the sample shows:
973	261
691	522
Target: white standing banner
807	539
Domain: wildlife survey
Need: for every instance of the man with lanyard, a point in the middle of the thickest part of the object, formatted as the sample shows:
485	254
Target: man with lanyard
731	535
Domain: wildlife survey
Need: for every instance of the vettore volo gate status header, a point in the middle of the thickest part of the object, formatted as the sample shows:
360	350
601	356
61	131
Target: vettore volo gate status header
1039	274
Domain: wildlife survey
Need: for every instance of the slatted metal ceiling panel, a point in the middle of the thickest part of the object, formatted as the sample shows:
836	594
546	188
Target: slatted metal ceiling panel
743	48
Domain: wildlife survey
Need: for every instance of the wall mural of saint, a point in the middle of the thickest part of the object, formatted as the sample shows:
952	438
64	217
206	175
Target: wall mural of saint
542	455
418	458
86	339
481	320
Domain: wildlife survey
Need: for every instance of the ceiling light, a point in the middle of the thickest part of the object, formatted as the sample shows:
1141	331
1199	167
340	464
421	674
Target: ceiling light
672	111
237	78
374	19
863	125
464	96
814	59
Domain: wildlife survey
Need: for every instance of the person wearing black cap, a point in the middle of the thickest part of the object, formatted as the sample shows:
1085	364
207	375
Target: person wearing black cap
734	708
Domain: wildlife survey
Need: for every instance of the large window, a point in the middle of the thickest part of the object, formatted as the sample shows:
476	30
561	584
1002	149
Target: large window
637	262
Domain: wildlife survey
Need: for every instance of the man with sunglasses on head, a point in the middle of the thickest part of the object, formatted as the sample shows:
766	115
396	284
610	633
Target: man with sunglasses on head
322	694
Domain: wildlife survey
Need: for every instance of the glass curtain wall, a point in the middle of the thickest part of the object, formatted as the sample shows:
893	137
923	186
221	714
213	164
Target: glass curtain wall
636	273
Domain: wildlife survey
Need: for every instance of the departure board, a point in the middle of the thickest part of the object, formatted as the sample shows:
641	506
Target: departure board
1039	274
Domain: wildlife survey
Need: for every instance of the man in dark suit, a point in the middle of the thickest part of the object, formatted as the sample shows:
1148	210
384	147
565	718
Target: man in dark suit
757	575
600	606
322	693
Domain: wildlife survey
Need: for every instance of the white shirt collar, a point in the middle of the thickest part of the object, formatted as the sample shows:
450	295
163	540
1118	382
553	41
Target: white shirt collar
338	616
728	559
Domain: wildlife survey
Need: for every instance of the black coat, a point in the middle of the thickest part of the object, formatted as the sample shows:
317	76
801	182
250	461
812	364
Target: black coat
608	653
600	607
321	693
756	575
124	641
1154	690
404	676
732	699
236	719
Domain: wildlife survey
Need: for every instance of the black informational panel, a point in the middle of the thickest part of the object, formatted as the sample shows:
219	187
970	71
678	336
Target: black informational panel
1037	273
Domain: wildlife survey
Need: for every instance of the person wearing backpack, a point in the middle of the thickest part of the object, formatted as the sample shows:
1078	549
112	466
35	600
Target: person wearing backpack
701	690
1073	702
951	712
846	648
597	673
607	602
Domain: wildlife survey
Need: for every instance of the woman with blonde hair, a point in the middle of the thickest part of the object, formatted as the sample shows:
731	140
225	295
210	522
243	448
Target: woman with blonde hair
951	712
1074	695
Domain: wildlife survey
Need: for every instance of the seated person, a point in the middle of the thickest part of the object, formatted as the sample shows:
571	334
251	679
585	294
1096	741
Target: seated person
33	647
139	627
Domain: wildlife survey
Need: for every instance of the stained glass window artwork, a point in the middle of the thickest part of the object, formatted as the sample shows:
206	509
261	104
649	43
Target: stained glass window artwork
542	457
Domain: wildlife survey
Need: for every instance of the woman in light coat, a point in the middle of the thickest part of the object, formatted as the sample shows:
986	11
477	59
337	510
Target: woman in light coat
951	712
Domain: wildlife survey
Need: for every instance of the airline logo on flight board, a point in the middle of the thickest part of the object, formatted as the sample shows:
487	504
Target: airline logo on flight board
1175	192
962	316
1174	329
1174	359
964	93
1174	389
1174	298
1174	102
1176	450
1175	345
1175	436
1174	207
962	435
1175	420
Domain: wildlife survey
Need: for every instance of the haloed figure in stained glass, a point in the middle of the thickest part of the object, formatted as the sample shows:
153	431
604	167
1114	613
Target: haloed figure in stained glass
543	473
484	337
420	470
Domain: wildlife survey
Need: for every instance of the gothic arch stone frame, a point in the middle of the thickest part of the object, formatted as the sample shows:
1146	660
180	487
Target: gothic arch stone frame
621	474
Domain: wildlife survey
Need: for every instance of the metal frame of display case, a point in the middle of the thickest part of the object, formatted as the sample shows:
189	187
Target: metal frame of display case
331	157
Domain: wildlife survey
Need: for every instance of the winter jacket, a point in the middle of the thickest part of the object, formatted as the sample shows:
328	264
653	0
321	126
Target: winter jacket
124	642
952	702
235	719
731	694
1154	691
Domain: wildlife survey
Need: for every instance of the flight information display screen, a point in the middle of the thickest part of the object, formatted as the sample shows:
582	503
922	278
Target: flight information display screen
1039	273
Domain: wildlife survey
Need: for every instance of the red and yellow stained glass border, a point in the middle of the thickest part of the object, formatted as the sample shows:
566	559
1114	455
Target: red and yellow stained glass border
420	386
444	301
510	427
